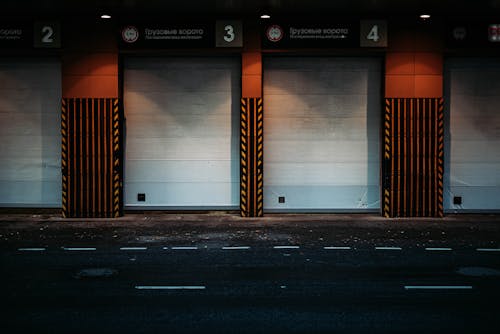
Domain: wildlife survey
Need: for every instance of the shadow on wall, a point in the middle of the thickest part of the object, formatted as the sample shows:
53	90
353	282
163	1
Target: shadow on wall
374	112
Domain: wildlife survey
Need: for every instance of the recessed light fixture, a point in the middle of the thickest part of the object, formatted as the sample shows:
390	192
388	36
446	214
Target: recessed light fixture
265	16
425	16
105	16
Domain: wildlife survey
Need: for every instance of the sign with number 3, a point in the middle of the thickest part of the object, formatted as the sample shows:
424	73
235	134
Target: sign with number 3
229	34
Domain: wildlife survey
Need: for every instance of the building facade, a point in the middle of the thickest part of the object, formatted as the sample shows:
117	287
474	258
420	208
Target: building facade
397	115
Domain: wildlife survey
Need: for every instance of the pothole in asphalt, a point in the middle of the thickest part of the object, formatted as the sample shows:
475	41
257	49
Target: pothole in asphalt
478	271
95	273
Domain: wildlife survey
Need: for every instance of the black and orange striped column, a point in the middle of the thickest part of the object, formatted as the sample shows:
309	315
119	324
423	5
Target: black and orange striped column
91	157
252	158
413	157
91	121
413	127
251	126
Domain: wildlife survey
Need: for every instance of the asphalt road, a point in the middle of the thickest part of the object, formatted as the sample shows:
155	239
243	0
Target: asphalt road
305	278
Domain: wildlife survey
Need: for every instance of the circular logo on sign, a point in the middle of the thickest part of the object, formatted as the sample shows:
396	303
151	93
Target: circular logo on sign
459	33
274	33
130	34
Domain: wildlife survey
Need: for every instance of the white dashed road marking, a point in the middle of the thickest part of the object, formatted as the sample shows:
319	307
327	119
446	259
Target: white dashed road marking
438	287
286	247
133	248
170	287
388	248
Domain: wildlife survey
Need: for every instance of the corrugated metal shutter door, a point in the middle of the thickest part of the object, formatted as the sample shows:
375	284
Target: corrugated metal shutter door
322	133
472	160
30	132
182	132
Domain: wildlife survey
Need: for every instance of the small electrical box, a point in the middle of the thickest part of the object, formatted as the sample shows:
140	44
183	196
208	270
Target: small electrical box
141	197
457	200
281	199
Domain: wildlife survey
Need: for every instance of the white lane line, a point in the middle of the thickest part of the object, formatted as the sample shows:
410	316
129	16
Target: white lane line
184	248
79	248
170	287
488	249
438	249
336	248
236	248
132	248
286	247
33	249
438	287
388	248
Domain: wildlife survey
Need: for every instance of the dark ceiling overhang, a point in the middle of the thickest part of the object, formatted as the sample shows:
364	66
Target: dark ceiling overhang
250	8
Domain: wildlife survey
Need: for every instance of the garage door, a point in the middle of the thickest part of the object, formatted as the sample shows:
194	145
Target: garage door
321	133
472	164
182	136
30	126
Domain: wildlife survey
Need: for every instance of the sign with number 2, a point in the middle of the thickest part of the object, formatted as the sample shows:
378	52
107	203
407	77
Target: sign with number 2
47	35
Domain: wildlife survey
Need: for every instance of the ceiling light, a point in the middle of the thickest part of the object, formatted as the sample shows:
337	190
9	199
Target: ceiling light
425	16
265	16
105	16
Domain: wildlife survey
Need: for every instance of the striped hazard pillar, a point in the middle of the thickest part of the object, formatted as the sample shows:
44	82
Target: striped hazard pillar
252	158
413	154
252	125
91	157
117	210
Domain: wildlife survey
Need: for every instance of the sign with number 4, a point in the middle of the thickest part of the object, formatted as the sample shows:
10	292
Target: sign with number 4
373	34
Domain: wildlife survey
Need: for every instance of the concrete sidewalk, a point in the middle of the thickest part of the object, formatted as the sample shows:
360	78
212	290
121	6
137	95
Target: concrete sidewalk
28	217
223	228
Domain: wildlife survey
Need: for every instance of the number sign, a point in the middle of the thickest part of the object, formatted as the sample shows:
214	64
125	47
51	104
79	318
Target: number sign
373	34
228	34
47	35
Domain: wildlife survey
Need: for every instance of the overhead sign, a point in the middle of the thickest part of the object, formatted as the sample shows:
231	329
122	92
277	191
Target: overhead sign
228	33
41	34
494	33
373	33
310	35
473	35
182	35
15	35
47	35
366	33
